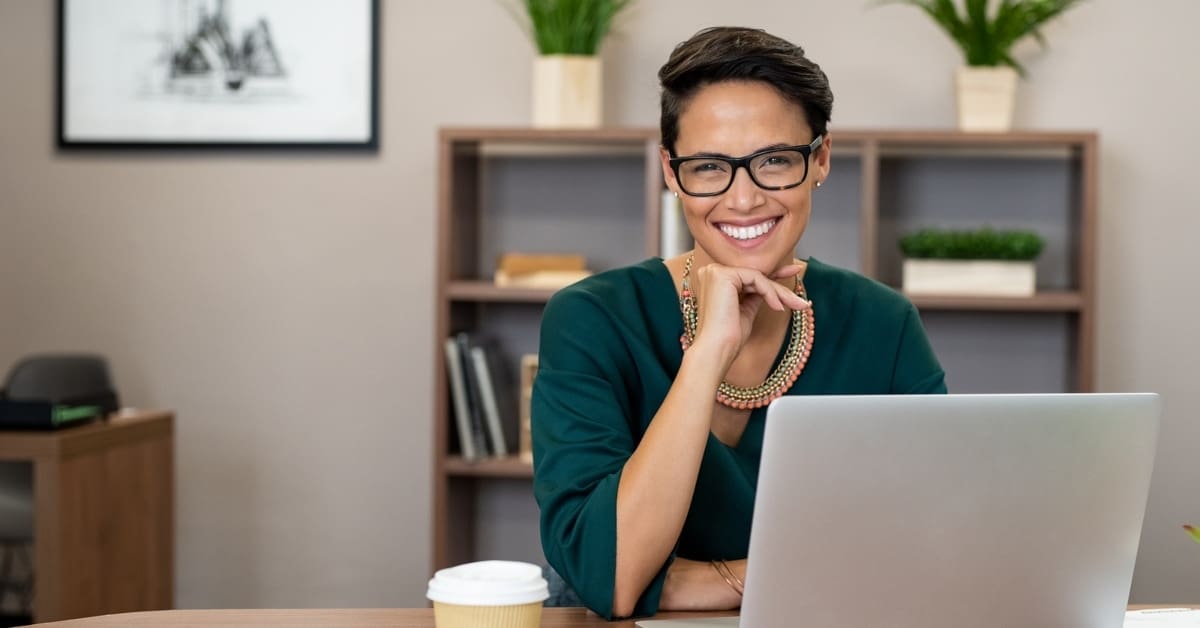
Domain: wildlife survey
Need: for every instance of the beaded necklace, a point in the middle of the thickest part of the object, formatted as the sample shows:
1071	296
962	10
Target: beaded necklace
799	346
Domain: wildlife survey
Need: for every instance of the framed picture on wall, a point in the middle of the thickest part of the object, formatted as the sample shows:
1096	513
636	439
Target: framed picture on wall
218	73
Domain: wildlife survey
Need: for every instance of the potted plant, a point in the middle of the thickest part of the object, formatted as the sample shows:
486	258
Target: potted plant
987	84
983	262
567	72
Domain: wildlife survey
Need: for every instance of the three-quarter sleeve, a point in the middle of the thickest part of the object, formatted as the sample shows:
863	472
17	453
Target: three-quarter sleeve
582	436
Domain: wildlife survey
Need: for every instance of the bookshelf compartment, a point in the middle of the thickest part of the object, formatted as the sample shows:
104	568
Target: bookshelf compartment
981	352
506	331
589	206
835	226
968	193
509	521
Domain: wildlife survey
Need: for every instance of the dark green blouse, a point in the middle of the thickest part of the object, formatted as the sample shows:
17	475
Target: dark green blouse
610	351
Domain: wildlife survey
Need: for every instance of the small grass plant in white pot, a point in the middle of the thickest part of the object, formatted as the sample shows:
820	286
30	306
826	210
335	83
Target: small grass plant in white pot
567	73
981	262
986	31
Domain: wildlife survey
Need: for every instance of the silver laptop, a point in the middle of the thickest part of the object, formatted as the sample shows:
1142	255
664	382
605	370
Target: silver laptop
947	510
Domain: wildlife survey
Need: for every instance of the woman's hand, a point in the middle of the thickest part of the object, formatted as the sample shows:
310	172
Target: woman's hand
696	586
728	300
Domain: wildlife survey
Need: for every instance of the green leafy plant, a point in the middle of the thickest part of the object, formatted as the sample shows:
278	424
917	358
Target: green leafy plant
987	34
571	27
984	243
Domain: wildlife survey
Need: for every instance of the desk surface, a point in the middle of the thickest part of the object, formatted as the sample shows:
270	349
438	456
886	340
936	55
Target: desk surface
123	427
320	618
349	618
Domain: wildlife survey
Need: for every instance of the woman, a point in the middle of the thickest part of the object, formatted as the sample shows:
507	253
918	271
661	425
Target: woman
649	402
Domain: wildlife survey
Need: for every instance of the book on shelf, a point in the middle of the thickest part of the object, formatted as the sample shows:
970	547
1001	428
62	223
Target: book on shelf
545	271
484	397
458	398
495	396
475	418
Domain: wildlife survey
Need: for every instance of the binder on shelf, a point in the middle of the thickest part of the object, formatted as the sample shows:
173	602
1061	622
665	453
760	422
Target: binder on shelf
458	397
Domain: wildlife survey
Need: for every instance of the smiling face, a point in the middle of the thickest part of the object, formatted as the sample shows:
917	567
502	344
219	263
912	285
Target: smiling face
745	226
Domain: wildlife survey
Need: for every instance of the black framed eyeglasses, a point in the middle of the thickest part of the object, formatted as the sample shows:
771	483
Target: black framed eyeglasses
779	168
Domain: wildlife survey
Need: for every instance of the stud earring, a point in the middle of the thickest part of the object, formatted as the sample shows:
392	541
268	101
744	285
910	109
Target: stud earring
676	194
819	183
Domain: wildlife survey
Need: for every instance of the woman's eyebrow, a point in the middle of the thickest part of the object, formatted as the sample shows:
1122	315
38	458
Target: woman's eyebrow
727	156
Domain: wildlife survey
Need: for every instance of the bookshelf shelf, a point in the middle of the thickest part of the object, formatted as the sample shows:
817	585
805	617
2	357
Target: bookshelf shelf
509	467
1048	301
598	193
486	291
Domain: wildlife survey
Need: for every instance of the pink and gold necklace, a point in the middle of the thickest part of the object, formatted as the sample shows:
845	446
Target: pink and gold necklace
799	346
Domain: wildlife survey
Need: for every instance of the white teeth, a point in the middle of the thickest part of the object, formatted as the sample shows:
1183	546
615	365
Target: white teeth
748	233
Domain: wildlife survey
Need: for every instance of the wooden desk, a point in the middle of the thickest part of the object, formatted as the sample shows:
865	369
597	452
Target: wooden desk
103	514
332	618
339	618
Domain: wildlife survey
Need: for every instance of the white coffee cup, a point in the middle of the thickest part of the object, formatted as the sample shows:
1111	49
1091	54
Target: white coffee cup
488	594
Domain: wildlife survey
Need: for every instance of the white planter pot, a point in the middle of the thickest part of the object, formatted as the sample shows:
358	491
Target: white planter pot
566	91
985	98
969	278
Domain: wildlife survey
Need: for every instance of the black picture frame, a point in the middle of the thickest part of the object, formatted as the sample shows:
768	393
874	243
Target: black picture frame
183	106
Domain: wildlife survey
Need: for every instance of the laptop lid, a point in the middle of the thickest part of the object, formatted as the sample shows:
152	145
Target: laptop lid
949	510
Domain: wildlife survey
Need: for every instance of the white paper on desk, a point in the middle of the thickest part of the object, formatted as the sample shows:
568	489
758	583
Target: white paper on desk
1162	617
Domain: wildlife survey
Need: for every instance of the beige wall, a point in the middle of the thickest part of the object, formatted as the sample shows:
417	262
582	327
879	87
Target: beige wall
282	303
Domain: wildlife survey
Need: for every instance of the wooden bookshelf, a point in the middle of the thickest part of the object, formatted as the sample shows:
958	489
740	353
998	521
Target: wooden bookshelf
597	193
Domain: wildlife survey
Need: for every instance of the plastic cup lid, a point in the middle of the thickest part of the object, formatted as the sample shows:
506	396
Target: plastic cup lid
489	583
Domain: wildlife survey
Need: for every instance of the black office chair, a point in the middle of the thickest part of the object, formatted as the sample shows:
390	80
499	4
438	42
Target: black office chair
71	379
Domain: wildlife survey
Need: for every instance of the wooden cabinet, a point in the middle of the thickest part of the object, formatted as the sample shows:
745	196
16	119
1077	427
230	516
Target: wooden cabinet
597	192
104	514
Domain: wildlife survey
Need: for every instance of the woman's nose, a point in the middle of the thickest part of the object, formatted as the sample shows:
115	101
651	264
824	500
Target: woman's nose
743	193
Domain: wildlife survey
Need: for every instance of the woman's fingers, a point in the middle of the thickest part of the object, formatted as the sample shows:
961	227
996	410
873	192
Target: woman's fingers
754	281
776	296
793	300
749	281
791	270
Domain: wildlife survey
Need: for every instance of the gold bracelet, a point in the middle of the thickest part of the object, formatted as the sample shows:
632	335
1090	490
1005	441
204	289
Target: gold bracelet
728	580
732	574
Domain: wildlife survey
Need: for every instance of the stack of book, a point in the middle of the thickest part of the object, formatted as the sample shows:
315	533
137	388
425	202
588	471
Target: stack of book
540	270
481	395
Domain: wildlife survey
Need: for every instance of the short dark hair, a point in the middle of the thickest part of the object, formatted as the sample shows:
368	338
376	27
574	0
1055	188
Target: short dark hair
726	53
